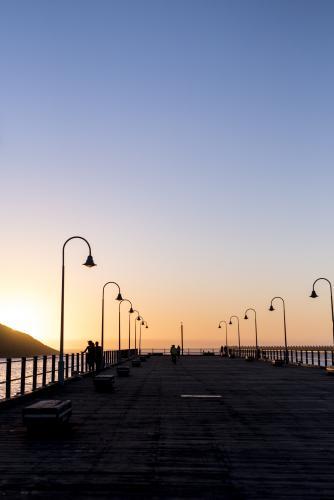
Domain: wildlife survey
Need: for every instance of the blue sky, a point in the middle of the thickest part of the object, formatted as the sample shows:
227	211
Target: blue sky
190	140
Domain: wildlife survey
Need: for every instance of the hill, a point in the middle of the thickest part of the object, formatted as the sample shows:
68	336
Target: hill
16	344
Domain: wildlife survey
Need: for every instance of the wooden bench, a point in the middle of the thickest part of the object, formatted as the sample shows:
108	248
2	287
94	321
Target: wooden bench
278	362
330	370
136	362
123	371
47	413
104	382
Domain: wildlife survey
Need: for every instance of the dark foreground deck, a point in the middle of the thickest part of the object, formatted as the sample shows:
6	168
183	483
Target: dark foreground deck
270	436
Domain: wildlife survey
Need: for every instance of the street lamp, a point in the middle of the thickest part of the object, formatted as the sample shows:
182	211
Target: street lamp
119	297
223	321
271	308
255	320
137	319
89	263
142	323
119	321
314	296
230	323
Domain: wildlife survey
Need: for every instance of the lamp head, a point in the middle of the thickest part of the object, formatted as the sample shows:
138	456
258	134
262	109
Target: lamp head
146	326
139	318
89	262
271	308
230	323
131	310
246	317
314	294
143	323
219	326
119	297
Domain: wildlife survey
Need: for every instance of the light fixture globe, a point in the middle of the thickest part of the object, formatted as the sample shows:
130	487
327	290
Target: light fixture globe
230	323
139	318
219	326
246	317
142	323
271	308
131	310
314	294
89	262
119	297
146	326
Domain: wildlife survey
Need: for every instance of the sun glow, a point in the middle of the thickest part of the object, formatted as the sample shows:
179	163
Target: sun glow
24	315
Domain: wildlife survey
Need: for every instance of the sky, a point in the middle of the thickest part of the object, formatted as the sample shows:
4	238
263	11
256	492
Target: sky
191	142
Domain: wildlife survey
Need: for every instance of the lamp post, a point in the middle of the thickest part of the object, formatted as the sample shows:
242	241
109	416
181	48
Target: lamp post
271	308
223	321
89	263
255	322
119	321
137	319
314	296
142	323
230	323
119	297
182	338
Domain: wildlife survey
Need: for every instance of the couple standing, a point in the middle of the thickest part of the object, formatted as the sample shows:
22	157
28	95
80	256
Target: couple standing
94	356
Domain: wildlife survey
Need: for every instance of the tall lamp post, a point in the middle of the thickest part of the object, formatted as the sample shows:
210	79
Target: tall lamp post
182	338
89	263
119	297
219	326
230	323
271	308
142	323
255	323
119	321
137	319
314	296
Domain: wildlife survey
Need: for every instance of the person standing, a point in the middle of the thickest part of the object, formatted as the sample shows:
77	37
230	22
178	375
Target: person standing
98	357
173	353
178	350
90	358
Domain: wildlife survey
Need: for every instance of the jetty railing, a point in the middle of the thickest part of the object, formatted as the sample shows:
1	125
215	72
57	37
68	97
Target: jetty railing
321	356
19	376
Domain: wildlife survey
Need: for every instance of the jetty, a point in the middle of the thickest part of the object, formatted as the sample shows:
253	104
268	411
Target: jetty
207	427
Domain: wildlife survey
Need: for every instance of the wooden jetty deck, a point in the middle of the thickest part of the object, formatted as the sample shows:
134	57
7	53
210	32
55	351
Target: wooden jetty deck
270	436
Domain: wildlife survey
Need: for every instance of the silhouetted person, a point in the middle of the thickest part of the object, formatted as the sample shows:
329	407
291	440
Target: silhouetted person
178	350
98	357
173	353
90	358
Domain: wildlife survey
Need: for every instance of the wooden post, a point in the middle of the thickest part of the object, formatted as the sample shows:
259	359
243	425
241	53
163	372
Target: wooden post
8	377
23	375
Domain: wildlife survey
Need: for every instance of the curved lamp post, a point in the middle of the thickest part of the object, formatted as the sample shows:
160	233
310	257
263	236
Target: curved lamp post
314	296
255	322
230	323
271	308
119	322
223	321
119	297
137	319
89	263
142	323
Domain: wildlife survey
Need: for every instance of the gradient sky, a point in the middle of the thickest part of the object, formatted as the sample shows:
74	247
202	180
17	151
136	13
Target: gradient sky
191	141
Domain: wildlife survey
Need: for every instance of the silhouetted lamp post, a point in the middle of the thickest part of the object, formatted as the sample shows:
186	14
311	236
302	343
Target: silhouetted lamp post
119	297
137	319
255	322
142	323
314	296
89	263
223	321
119	321
230	323
271	308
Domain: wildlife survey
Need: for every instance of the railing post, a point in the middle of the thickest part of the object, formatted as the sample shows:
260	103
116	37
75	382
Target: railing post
72	364
23	375
319	358
53	368
332	357
44	371
325	357
77	362
66	365
34	373
306	353
312	357
8	377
